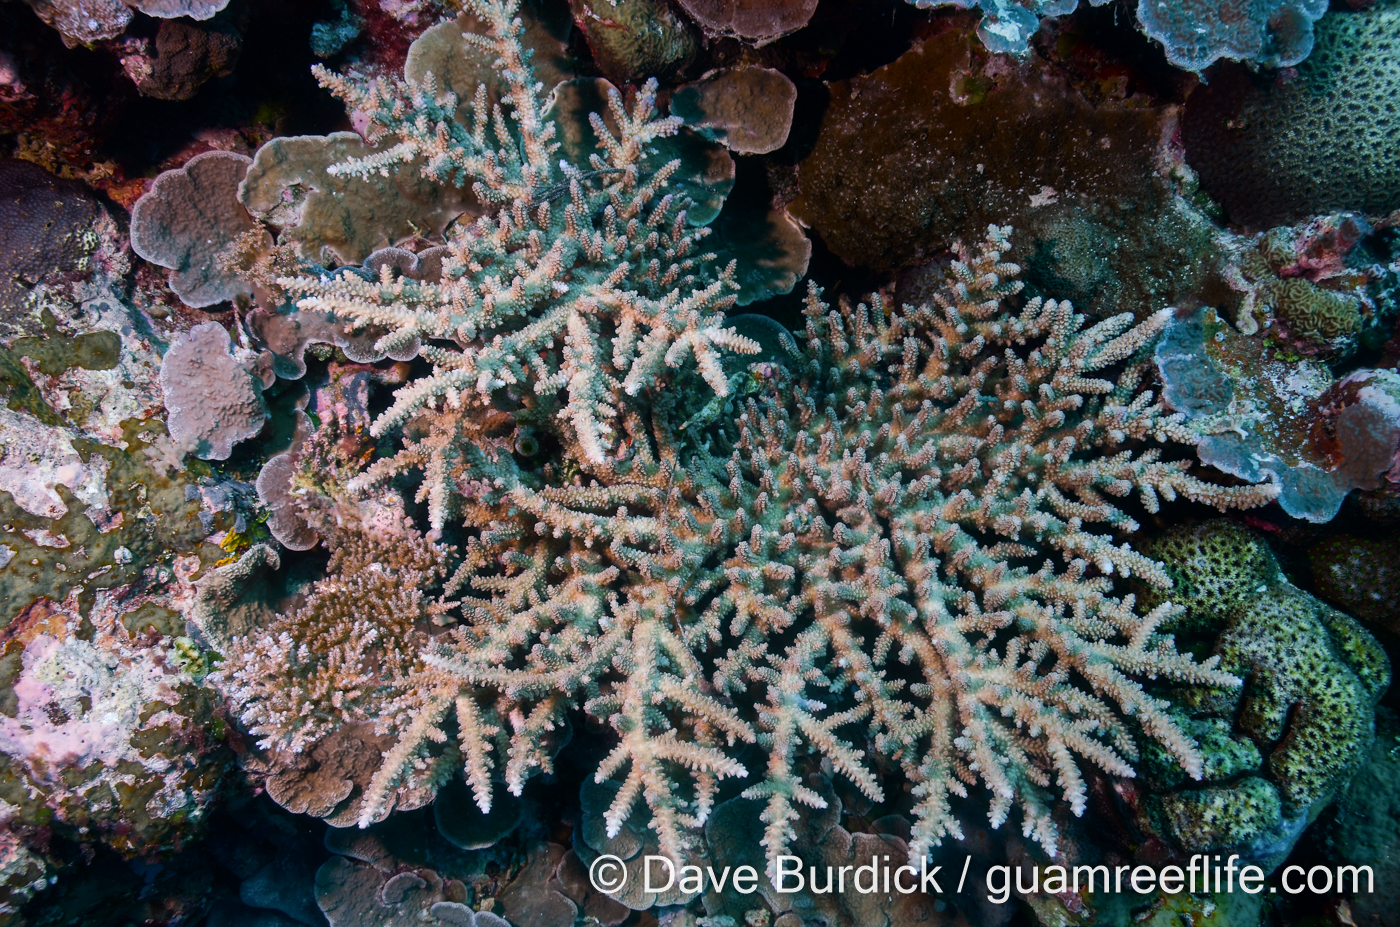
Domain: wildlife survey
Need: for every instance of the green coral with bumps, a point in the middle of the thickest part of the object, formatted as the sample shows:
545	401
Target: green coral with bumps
1318	676
1286	743
1214	567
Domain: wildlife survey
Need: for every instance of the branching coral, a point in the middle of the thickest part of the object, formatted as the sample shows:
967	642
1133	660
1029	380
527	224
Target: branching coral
346	664
598	298
860	565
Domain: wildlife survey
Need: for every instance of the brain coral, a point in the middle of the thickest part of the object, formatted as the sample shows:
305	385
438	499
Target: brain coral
1275	150
907	539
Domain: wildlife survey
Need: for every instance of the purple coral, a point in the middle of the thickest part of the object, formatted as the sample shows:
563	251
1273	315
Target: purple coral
212	400
189	217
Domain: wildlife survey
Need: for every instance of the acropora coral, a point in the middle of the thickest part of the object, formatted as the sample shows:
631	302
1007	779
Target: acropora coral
456	463
582	274
883	555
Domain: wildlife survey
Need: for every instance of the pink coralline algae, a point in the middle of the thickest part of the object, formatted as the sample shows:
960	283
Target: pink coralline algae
51	730
1360	417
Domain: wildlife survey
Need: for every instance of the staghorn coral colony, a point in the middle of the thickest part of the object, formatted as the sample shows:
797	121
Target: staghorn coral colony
461	460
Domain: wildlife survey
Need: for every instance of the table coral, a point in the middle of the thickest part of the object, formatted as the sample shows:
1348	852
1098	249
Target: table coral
188	219
539	538
749	109
313	689
211	398
869	545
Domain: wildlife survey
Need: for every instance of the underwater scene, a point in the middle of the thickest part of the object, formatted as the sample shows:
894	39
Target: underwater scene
699	463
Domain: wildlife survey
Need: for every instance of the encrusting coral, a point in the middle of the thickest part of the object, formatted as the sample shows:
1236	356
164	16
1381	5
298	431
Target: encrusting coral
869	542
599	297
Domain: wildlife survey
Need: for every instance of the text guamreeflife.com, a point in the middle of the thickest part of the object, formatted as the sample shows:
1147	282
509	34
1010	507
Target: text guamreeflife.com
1202	873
